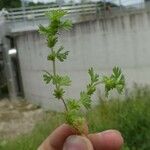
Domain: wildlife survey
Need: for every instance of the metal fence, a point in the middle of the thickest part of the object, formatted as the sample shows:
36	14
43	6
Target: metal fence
37	12
33	13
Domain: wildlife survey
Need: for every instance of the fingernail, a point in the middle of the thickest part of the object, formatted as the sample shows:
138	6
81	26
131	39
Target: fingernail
108	135
111	131
75	142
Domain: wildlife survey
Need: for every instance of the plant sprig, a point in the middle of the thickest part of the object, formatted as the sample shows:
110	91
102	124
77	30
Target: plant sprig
72	105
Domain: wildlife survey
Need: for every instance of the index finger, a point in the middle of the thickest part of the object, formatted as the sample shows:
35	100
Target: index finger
57	138
106	140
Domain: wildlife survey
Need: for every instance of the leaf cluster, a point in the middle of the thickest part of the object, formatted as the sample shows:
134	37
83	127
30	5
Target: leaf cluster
51	33
58	81
60	55
115	81
56	24
73	116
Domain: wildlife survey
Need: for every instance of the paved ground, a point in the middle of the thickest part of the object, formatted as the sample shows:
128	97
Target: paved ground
18	117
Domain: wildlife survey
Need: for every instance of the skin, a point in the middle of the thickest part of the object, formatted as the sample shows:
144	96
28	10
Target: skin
106	140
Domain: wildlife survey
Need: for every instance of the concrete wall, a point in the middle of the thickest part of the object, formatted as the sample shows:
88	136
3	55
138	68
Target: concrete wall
122	40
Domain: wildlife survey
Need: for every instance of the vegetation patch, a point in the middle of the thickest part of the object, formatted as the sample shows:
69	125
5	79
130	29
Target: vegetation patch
131	116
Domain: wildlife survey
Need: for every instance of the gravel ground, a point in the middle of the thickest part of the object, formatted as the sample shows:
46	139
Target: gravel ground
18	117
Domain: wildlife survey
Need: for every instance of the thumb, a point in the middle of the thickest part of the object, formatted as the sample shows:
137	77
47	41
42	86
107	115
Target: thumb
75	142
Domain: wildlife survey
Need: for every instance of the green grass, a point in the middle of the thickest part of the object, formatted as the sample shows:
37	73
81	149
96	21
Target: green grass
131	116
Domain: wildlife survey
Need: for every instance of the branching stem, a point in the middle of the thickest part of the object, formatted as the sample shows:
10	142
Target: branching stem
54	72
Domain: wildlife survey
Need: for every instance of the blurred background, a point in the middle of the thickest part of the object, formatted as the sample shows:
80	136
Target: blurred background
107	33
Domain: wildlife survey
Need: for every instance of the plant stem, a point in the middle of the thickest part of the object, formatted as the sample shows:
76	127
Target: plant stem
64	103
54	72
54	65
54	68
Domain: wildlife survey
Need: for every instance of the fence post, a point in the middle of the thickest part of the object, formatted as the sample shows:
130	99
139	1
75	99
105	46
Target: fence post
120	5
104	1
23	9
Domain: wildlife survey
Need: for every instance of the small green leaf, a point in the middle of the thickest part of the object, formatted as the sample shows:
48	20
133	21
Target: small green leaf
73	104
85	99
59	92
119	88
65	81
51	41
116	72
71	116
79	124
47	78
67	24
43	30
55	14
61	80
90	89
61	56
116	80
94	77
51	56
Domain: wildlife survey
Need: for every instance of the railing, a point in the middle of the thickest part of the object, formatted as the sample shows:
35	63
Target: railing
33	13
29	14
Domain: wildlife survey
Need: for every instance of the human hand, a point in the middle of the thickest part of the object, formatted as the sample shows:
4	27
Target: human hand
64	138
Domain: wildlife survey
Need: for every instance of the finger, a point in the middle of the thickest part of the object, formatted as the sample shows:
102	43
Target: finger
75	142
107	140
57	138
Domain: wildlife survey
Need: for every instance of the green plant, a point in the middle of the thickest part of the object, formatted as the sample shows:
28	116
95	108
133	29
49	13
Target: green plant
72	105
